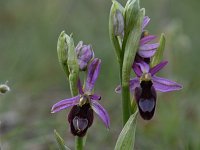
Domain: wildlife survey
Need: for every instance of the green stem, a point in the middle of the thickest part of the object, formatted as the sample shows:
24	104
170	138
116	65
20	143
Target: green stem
125	88
79	143
125	103
125	99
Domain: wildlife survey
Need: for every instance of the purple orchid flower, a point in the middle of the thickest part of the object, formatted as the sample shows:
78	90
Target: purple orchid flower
146	50
81	116
84	54
145	85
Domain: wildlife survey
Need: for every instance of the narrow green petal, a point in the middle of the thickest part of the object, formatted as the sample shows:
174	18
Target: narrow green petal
159	53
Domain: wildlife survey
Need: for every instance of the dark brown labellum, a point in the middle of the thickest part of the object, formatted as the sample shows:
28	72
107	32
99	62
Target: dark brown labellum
145	96
80	119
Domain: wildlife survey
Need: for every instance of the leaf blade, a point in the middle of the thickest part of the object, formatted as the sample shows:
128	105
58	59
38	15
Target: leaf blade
60	141
126	138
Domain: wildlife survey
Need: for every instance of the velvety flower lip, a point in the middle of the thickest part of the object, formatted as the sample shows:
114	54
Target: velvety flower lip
145	96
84	103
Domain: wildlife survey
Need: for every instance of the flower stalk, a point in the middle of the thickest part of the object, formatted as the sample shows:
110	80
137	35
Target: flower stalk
126	43
78	143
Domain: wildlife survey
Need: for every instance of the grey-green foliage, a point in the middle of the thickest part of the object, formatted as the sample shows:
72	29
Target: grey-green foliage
131	47
60	141
126	138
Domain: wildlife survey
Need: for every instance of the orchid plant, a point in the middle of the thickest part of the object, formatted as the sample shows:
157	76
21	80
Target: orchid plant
135	51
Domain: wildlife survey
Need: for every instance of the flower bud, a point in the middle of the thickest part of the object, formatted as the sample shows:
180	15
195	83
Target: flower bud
118	23
116	27
62	49
84	54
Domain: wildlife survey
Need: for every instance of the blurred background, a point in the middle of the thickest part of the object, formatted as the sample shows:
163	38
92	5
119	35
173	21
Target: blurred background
28	60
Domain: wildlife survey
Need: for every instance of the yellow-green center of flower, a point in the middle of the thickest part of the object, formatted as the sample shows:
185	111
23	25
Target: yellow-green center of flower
145	77
84	99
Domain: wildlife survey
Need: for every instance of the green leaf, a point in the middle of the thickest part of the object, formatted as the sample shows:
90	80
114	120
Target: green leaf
126	138
159	53
62	50
131	48
60	141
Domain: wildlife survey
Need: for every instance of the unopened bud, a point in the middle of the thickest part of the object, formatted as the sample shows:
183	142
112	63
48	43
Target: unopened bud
84	54
118	23
62	50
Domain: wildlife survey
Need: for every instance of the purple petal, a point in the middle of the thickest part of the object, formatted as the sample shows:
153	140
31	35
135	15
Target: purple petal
147	54
82	64
144	67
63	104
165	85
158	67
147	47
135	82
137	69
132	85
101	112
80	87
95	97
148	50
145	22
147	39
93	72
